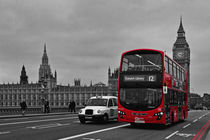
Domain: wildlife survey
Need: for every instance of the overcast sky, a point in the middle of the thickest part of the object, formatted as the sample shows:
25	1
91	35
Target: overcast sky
85	37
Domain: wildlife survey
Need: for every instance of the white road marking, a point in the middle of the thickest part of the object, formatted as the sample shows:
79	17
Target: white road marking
6	132
195	120
37	121
186	125
200	117
15	119
171	135
48	126
185	135
90	139
93	132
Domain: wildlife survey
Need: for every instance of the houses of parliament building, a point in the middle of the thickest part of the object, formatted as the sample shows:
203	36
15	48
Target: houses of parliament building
47	89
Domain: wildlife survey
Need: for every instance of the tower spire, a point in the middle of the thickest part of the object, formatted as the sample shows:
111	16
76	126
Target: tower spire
23	76
181	29
45	48
44	57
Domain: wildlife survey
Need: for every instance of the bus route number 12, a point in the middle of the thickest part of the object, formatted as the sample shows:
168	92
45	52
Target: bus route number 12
151	78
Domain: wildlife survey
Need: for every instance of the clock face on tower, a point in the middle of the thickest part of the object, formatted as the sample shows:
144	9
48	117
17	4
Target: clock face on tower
179	54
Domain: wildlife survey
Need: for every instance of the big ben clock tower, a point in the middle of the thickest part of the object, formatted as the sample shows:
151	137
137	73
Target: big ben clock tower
181	51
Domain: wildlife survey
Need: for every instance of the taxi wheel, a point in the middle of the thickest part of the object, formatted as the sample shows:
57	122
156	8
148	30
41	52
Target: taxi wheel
105	118
82	121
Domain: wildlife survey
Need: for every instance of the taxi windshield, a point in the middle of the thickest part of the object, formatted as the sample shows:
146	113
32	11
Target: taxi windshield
97	102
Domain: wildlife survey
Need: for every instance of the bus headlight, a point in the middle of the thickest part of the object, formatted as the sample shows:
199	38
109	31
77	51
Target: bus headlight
159	114
121	114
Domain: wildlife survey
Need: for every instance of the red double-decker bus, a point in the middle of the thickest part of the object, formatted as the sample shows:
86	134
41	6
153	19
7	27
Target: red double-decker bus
152	88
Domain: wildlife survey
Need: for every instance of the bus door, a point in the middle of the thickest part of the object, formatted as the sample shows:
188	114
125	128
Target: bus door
167	105
179	105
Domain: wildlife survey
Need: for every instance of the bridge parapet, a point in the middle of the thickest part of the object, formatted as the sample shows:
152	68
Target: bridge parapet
31	110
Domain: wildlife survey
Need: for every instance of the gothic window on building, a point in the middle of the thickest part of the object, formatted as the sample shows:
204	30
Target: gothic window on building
10	97
62	97
51	97
56	97
24	96
34	97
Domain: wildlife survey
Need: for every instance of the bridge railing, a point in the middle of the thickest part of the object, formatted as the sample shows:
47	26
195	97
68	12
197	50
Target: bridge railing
31	110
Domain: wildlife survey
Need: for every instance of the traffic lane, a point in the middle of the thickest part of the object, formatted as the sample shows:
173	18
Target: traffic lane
192	115
24	118
122	132
29	120
62	128
195	129
47	132
20	125
143	131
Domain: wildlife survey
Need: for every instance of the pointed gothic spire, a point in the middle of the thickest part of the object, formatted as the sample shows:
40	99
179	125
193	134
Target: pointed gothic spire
44	57
23	68
109	72
181	40
91	83
23	76
181	29
55	75
45	48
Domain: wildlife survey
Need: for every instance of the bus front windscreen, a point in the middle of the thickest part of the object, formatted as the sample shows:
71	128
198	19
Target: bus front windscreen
142	62
140	99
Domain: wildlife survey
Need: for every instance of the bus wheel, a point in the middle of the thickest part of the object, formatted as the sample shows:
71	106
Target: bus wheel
172	118
184	116
133	124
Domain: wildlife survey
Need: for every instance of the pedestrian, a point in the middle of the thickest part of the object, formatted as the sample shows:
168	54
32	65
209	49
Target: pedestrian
23	107
73	105
69	107
46	107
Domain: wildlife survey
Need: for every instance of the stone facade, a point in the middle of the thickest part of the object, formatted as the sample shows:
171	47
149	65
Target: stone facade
46	88
113	81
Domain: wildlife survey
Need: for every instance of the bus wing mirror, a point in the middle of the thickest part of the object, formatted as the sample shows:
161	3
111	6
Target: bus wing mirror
165	89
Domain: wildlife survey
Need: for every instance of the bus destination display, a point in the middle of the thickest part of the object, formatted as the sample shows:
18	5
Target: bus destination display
140	78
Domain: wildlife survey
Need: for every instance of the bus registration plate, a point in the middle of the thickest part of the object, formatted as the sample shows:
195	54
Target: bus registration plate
88	117
139	120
